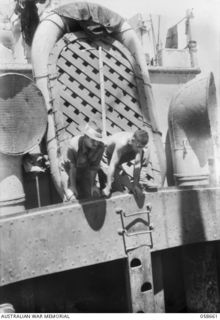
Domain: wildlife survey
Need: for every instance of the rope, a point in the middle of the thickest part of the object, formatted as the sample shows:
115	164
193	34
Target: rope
46	19
102	89
180	21
41	77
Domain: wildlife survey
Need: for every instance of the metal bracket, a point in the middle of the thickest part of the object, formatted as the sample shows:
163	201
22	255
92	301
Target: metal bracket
136	228
137	234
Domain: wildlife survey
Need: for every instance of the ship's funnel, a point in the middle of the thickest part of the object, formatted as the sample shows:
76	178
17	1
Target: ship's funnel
23	120
193	131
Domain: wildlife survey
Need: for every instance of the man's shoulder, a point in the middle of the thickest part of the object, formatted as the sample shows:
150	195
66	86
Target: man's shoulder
120	138
74	142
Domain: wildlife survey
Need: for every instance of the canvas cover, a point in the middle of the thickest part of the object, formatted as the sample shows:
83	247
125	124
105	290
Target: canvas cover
90	17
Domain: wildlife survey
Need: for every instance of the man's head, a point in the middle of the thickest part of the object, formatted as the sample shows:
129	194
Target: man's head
140	140
93	135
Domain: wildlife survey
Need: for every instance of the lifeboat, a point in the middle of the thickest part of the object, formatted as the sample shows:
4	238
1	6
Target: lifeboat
94	20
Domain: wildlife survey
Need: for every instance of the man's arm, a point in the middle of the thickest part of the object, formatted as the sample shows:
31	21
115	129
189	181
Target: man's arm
93	173
111	169
72	176
65	179
137	168
95	165
68	176
95	191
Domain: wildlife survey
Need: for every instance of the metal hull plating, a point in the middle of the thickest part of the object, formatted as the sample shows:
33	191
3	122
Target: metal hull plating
55	239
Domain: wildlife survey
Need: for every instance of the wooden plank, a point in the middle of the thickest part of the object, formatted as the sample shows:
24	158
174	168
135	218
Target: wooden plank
122	87
91	102
92	71
80	68
86	110
117	51
117	69
126	115
138	76
122	82
82	78
122	106
73	130
114	50
88	114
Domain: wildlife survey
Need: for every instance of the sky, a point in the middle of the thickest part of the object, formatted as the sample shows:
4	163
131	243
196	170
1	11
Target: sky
206	22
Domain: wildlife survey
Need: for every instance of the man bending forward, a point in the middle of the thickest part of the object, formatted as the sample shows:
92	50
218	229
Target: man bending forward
123	147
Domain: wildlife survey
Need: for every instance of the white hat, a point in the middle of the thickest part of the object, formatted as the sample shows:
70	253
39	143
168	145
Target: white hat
93	133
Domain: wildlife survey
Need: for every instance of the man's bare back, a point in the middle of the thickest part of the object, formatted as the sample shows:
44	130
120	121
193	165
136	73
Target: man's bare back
123	147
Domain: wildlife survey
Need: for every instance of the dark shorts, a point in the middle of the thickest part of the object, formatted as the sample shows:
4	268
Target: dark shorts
83	183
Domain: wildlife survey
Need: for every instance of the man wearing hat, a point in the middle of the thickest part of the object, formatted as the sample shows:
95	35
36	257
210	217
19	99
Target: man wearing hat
83	156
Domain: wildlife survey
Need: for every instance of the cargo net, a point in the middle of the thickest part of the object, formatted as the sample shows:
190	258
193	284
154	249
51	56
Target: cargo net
74	81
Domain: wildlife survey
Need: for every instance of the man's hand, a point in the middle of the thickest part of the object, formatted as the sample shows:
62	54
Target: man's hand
106	192
75	193
95	192
70	195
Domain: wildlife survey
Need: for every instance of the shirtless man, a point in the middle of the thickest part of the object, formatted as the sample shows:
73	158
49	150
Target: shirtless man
123	147
82	159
